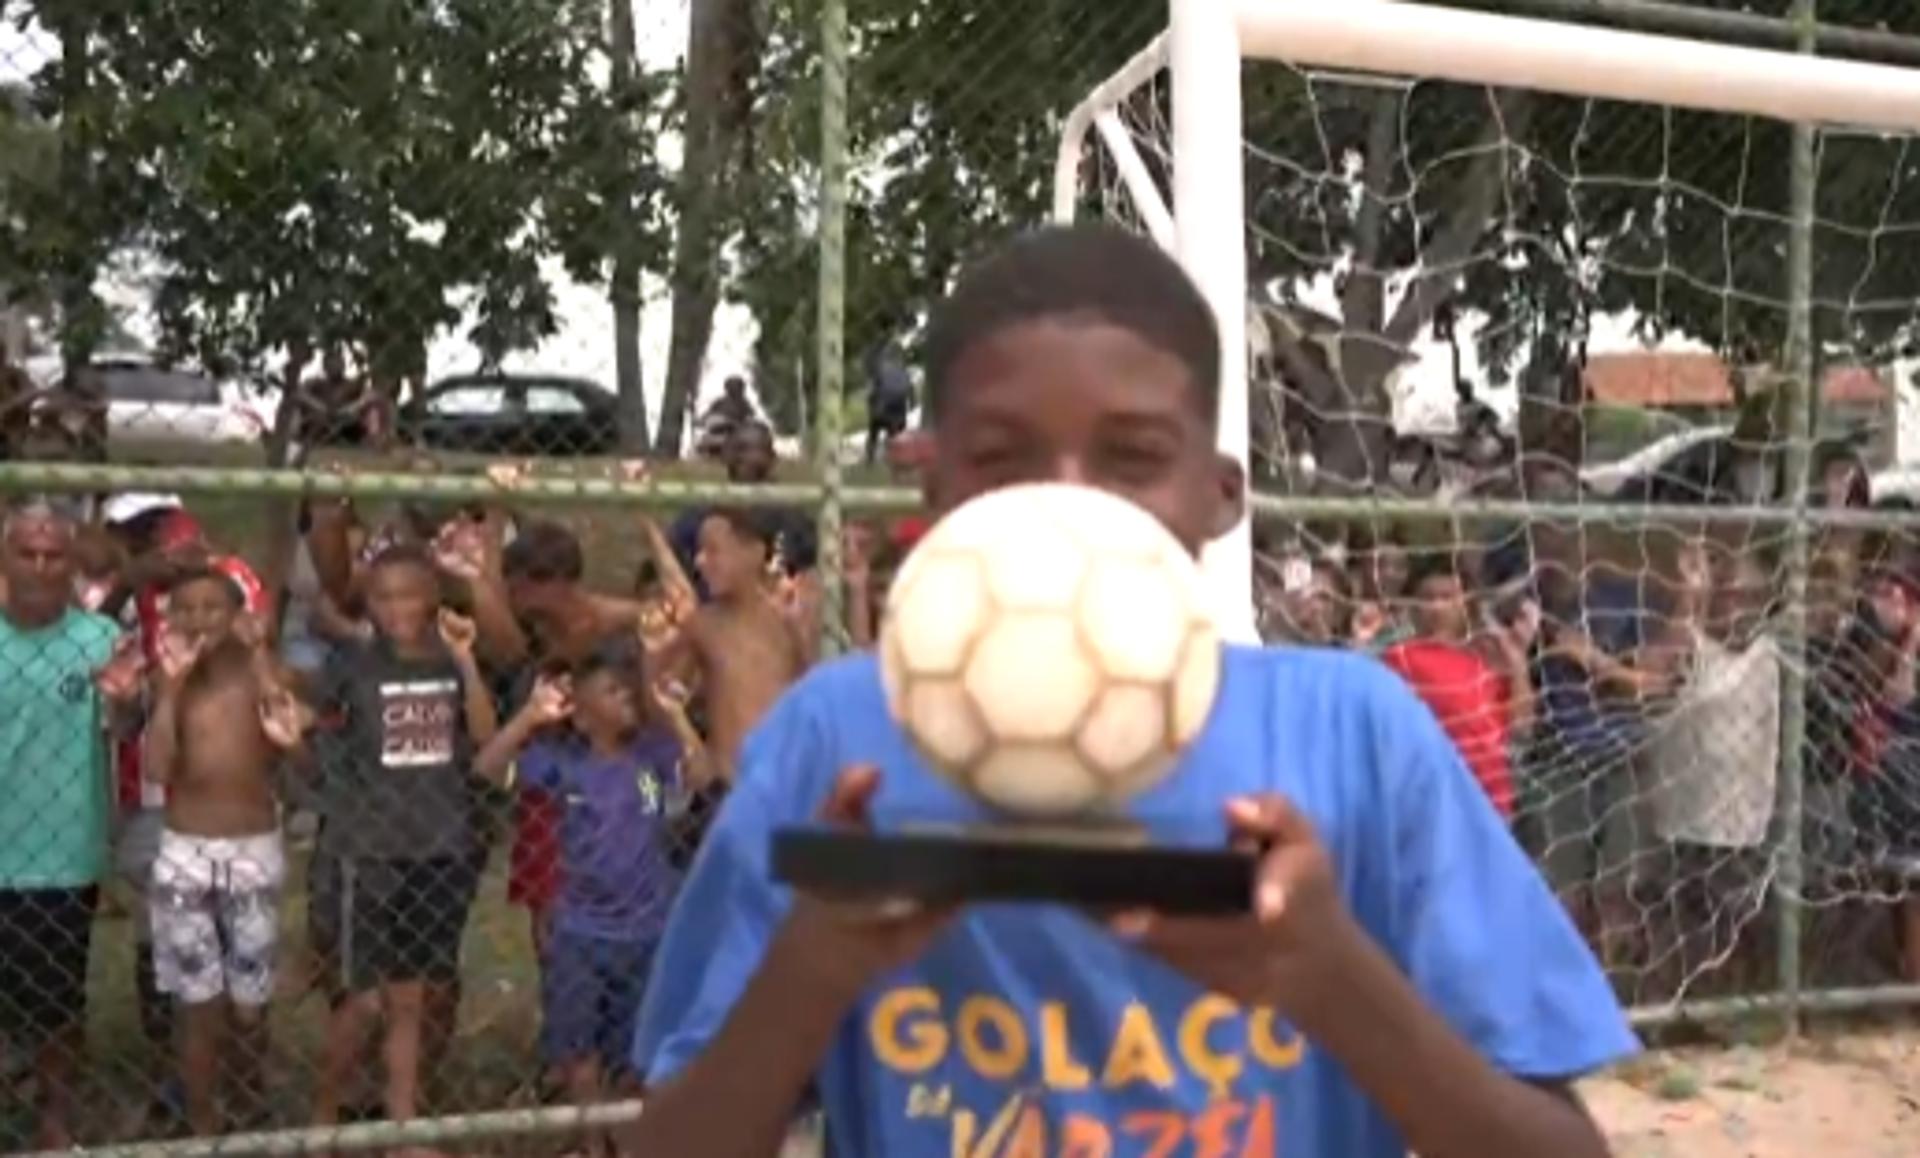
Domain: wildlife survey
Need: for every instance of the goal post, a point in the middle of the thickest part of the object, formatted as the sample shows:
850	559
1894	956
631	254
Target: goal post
1207	41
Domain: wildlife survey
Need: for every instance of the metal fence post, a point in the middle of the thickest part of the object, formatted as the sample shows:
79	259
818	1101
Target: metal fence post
1802	392
831	323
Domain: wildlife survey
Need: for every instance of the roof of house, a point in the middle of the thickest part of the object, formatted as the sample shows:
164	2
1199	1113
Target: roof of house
1695	379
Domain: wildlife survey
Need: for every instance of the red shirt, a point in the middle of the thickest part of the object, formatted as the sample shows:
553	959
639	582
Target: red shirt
1470	700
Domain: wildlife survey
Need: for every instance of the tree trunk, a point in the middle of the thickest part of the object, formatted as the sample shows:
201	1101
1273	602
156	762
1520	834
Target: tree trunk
624	292
1356	448
721	55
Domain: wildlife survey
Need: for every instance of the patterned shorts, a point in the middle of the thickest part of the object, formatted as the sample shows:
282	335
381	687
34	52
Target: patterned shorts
215	907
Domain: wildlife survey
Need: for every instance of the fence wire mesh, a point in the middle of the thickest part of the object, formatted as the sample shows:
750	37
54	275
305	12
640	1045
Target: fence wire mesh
299	822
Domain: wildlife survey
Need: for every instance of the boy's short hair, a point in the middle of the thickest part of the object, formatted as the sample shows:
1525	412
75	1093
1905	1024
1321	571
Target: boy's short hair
1426	565
192	575
745	524
620	658
544	552
1095	273
403	555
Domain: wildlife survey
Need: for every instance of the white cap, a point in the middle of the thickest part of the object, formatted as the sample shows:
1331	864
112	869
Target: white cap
125	508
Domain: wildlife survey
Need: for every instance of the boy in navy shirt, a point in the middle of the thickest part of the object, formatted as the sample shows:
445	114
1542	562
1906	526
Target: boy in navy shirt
611	778
1404	980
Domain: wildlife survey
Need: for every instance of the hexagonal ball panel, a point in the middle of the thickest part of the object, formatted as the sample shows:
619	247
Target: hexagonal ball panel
935	613
1196	685
944	725
1143	775
1128	724
1133	617
893	675
1030	679
1039	780
1034	566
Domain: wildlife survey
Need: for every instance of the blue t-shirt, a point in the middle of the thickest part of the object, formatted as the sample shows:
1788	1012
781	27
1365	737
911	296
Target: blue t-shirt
1023	1018
54	802
617	882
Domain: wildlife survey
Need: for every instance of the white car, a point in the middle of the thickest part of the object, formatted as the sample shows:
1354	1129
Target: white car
1607	479
151	403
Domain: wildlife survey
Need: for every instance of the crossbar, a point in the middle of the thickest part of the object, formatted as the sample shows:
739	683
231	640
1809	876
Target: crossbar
1486	48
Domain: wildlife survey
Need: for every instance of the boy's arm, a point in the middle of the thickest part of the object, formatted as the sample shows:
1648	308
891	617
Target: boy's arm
331	549
497	755
482	718
495	762
675	583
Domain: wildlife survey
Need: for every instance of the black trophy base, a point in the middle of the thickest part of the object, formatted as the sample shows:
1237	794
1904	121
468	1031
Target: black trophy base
1107	868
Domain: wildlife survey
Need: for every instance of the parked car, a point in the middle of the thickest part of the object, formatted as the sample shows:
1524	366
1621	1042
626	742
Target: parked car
1708	465
150	403
512	415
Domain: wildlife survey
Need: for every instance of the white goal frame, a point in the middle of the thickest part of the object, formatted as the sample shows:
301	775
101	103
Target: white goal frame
1207	40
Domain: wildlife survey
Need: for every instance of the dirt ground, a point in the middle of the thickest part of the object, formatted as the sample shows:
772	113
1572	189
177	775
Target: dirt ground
1856	1096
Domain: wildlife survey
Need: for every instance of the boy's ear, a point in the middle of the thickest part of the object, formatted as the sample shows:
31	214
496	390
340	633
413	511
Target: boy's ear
1229	496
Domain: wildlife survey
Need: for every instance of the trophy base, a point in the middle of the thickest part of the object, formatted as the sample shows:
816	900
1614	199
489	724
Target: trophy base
1108	867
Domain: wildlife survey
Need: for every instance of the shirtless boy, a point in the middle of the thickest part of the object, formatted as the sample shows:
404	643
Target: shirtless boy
222	719
740	648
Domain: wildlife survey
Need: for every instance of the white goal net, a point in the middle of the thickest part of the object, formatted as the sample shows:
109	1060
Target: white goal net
1581	306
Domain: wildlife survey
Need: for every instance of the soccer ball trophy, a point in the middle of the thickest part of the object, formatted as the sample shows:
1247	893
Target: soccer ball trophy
1047	649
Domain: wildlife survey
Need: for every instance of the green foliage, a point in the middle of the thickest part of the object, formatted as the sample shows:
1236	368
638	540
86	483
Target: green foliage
314	173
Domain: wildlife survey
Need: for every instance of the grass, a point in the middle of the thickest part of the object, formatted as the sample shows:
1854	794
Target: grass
492	1062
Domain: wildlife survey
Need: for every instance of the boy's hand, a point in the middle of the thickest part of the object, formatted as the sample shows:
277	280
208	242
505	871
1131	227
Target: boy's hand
460	550
283	717
848	943
177	651
122	676
1289	942
550	703
250	630
458	633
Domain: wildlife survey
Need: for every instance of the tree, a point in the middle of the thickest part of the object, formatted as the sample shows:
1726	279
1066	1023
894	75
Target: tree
1524	216
723	51
357	174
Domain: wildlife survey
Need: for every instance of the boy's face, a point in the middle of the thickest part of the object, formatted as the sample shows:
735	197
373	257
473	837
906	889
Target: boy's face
1440	608
203	610
603	703
1085	403
402	599
728	561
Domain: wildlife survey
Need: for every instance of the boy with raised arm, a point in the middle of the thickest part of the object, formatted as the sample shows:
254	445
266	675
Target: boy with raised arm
741	649
584	741
408	708
222	717
1403	982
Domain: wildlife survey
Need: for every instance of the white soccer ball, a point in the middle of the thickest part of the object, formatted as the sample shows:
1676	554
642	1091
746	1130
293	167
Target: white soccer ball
1048	648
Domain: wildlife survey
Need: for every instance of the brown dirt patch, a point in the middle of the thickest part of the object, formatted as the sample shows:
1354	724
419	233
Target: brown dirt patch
1856	1096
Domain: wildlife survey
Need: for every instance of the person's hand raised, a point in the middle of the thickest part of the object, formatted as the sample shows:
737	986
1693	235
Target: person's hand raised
551	701
458	633
177	652
124	674
283	718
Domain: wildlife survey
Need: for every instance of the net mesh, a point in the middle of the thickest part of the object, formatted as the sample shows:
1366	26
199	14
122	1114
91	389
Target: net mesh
1465	293
482	238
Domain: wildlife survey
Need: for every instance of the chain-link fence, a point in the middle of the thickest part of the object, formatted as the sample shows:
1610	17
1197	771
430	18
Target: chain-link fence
387	361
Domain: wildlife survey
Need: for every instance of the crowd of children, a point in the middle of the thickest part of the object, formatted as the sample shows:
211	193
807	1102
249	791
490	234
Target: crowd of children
430	663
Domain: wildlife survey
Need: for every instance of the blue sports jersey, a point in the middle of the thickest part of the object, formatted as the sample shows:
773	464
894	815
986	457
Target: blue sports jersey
1029	1029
